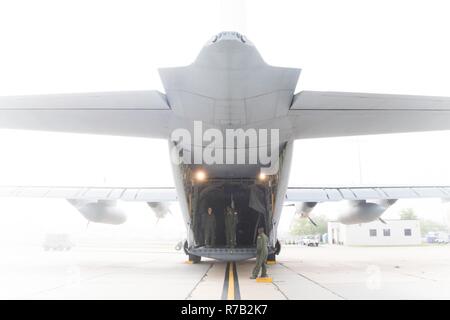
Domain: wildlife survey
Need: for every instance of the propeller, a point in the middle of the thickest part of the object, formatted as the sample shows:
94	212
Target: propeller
312	221
303	215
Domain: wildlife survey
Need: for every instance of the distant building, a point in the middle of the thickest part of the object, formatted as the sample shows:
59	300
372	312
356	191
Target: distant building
376	233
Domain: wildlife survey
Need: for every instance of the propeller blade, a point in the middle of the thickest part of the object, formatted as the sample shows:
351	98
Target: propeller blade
312	221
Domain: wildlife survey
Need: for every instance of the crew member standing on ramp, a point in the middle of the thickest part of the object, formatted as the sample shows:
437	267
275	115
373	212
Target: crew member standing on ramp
230	226
210	228
262	251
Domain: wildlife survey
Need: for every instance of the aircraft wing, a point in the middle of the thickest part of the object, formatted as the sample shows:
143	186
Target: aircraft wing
305	194
132	113
147	194
315	114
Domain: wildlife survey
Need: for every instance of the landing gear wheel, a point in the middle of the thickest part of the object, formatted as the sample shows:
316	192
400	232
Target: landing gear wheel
195	259
185	247
271	259
277	247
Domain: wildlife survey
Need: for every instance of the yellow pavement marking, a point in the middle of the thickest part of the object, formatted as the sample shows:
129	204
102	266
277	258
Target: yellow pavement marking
266	279
230	295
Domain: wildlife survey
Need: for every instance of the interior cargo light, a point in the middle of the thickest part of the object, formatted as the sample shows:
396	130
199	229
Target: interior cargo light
200	175
262	176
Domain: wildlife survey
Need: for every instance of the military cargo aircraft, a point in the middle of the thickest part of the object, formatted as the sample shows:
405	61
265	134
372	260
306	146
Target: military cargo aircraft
230	121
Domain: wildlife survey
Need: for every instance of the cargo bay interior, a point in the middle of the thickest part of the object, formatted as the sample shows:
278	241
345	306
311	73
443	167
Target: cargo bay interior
250	197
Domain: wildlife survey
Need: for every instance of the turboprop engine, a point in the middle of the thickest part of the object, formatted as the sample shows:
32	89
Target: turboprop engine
102	211
161	209
361	211
353	212
304	208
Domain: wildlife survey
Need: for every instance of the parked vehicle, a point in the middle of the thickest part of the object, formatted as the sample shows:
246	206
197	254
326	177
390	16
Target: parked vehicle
437	237
310	241
441	240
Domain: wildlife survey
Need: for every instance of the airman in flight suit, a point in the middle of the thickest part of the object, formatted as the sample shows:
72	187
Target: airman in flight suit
262	251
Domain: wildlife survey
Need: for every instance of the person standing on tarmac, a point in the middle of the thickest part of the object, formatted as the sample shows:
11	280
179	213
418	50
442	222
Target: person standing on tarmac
262	251
230	226
210	228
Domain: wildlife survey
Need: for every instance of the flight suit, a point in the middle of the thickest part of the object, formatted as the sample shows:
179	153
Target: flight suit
210	229
262	251
230	227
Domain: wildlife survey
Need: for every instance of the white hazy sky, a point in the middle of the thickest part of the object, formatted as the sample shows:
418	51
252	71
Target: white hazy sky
51	46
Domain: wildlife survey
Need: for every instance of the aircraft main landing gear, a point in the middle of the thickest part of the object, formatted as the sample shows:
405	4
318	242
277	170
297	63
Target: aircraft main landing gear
271	258
192	258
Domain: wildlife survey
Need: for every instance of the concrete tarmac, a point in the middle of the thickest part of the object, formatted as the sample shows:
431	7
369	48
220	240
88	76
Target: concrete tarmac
157	271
